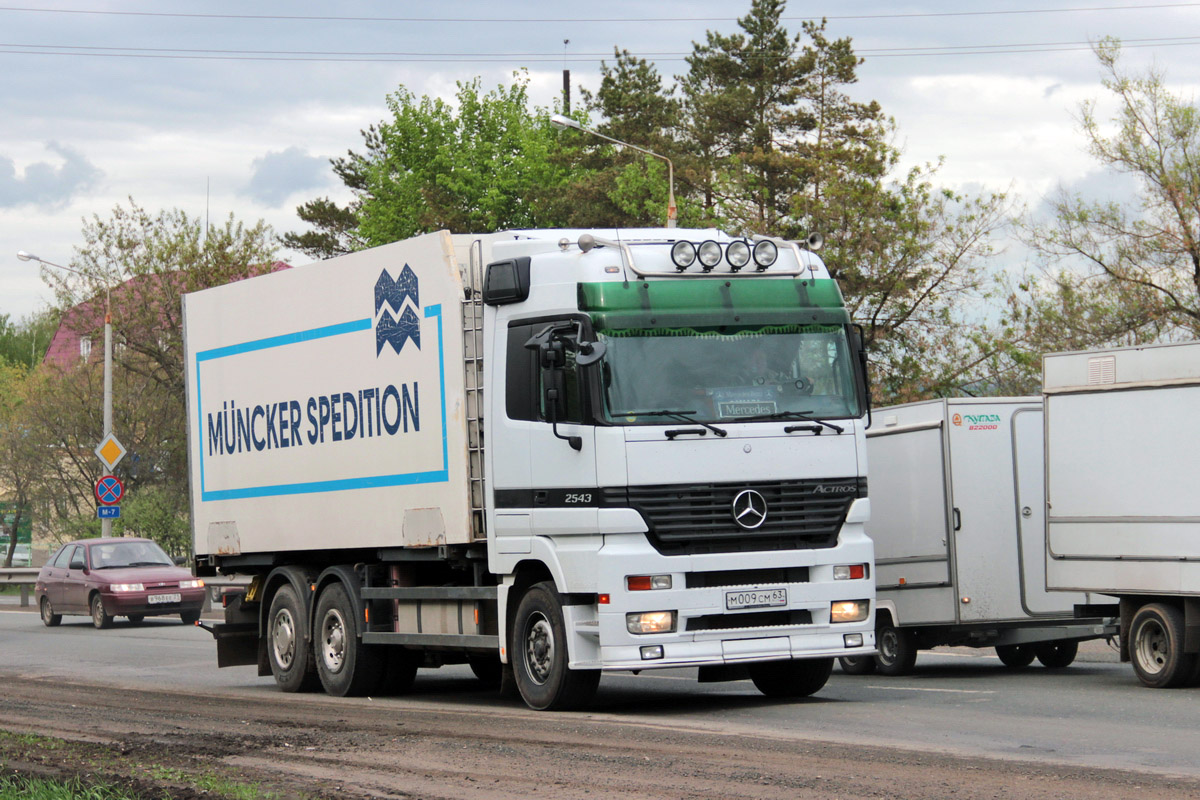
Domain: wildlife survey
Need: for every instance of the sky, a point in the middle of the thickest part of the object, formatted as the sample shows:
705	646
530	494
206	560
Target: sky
224	107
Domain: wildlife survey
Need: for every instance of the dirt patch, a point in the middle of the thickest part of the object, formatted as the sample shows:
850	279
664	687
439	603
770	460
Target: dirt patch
311	746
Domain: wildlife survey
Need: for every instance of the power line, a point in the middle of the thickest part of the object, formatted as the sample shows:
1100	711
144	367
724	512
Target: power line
581	20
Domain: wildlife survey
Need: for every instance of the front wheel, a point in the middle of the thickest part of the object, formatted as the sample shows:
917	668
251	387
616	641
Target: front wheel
49	618
540	654
1016	656
1156	647
796	678
897	651
857	665
100	618
1056	655
348	668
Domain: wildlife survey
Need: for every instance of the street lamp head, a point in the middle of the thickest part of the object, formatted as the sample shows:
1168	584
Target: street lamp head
21	254
562	123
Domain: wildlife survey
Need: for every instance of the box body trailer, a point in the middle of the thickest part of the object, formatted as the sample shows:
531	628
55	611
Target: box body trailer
1122	437
957	521
547	454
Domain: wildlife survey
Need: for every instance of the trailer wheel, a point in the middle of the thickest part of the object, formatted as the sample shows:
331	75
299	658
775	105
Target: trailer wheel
290	660
347	667
897	651
857	665
1016	656
540	652
1156	647
798	677
1057	654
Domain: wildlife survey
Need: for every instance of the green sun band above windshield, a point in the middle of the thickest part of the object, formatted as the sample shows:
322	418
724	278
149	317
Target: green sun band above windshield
698	302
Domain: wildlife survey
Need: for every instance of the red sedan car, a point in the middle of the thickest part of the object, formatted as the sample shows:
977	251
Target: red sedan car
107	578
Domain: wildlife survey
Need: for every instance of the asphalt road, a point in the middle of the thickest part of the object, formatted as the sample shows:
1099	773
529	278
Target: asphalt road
958	702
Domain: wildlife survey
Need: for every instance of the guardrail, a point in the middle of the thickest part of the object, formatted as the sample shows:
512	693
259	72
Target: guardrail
26	577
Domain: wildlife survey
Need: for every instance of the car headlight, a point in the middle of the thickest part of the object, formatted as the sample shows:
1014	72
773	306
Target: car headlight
127	587
193	584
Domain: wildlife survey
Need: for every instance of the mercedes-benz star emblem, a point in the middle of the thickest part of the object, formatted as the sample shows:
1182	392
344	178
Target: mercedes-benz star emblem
749	509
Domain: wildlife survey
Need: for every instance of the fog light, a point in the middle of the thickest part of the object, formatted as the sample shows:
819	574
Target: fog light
683	255
651	652
849	611
651	622
737	254
849	572
643	583
765	253
849	640
709	253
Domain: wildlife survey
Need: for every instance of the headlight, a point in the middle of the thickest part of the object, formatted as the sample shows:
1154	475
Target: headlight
710	254
194	584
738	255
849	610
765	253
127	587
651	622
683	255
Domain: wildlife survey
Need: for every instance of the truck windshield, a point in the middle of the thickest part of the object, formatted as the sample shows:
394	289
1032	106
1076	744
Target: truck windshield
722	374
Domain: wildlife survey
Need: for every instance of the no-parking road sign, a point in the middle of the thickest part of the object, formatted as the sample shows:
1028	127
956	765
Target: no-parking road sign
109	490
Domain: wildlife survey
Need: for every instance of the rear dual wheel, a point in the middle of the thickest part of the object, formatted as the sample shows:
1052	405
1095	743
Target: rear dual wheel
346	666
287	651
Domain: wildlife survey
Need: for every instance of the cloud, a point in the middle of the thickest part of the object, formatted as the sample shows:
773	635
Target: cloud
1050	90
45	184
278	175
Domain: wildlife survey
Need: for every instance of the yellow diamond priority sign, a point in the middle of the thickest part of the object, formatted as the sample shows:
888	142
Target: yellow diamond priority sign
110	451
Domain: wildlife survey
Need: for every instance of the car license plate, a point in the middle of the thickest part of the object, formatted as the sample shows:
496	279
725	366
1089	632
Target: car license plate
164	598
755	598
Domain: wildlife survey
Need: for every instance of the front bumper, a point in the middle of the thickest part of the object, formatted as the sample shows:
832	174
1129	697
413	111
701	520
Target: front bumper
123	604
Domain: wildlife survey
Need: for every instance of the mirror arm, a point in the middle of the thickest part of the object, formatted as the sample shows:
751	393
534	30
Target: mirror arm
576	442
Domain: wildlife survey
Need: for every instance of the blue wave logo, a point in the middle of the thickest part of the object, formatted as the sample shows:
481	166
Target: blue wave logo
399	297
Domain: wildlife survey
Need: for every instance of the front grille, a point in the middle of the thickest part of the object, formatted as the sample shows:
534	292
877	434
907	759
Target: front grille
698	518
758	619
745	577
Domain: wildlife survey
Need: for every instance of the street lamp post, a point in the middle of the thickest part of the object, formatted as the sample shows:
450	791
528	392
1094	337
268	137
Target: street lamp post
106	523
561	122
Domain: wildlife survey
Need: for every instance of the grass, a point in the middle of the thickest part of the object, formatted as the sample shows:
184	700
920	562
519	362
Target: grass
211	783
15	787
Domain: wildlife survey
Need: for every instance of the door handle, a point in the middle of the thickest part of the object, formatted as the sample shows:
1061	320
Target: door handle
957	520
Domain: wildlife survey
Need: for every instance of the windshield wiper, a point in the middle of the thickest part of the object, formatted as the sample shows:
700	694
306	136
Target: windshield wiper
683	416
804	415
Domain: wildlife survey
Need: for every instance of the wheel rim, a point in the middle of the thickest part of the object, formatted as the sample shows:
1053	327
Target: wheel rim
1151	647
47	609
283	638
539	648
889	645
97	610
333	640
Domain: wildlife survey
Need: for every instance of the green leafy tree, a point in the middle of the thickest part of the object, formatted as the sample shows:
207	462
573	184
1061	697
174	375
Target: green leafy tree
25	342
21	463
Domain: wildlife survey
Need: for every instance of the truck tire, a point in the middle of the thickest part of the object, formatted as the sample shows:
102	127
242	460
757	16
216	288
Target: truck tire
1057	654
857	665
1016	656
290	659
897	651
487	668
100	618
346	666
49	618
798	677
540	655
1156	647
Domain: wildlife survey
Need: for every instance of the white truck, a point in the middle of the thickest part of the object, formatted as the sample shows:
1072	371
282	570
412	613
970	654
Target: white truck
957	521
547	454
1122	447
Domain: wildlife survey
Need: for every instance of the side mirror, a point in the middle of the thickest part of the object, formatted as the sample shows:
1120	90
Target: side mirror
590	353
78	563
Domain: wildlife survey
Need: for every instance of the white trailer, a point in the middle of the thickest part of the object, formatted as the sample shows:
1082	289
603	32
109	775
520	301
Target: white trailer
956	497
1122	450
609	450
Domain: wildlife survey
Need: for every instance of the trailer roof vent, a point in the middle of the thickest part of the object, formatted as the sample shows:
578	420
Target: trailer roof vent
1102	370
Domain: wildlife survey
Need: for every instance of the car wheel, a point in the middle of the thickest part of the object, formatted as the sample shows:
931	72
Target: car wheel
136	619
100	618
49	618
189	617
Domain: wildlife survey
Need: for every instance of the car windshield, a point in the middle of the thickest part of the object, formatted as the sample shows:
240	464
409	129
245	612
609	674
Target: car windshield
723	374
112	555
